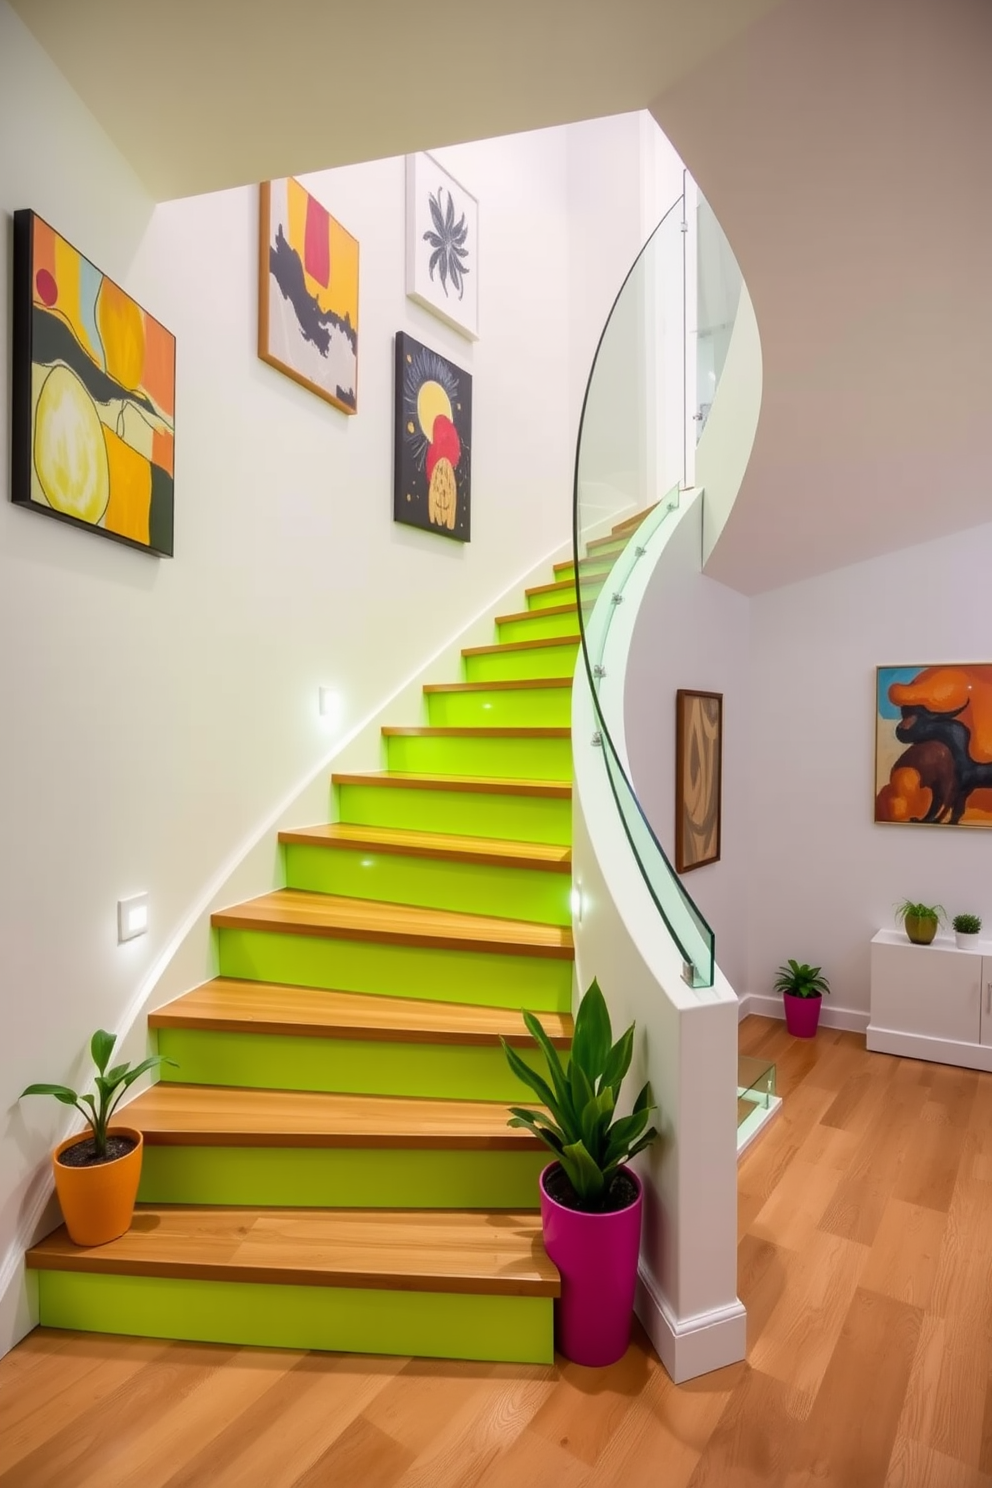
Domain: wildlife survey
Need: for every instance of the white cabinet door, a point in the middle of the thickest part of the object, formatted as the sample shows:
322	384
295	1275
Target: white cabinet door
986	1000
929	991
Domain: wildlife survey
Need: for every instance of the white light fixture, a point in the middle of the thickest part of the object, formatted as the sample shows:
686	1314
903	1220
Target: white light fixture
329	703
132	917
576	902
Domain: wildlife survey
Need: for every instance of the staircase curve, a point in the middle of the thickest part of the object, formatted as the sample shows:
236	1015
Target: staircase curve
637	928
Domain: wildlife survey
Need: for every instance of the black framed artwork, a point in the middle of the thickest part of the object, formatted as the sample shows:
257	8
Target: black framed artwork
432	458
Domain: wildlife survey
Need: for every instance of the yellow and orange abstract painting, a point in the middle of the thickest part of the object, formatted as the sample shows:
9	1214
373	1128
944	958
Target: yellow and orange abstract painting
933	744
93	397
308	293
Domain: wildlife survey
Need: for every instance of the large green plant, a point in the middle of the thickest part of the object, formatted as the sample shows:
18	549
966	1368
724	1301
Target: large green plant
577	1123
111	1086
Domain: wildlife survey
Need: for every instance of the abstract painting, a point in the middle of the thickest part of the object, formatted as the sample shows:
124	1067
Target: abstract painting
442	245
94	396
308	294
933	744
698	778
432	463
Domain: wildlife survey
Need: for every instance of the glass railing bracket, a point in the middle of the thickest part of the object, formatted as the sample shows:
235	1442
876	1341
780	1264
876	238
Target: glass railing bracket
599	671
688	973
597	740
616	599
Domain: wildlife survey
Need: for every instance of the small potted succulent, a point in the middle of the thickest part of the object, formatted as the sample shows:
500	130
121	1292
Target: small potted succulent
590	1198
802	989
96	1176
920	920
967	931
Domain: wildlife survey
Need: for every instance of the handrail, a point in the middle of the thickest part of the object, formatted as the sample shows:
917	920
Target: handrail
645	333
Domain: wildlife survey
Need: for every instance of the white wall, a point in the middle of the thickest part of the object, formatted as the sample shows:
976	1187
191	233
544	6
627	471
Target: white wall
823	877
694	632
156	712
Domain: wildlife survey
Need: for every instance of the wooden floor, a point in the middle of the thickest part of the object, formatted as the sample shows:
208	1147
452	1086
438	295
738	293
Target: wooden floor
865	1265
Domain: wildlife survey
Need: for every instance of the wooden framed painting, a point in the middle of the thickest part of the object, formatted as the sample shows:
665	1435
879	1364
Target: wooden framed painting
308	293
442	245
698	778
93	396
432	460
933	744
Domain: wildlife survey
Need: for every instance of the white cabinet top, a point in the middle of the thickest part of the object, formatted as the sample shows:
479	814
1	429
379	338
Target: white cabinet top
939	943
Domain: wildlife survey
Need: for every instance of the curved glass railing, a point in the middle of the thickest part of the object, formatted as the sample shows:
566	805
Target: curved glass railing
635	436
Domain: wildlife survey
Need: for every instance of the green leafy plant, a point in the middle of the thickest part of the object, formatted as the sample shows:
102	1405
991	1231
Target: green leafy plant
909	910
578	1123
111	1086
801	980
967	924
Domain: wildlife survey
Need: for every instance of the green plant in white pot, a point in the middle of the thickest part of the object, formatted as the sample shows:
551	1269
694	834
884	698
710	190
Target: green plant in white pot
967	931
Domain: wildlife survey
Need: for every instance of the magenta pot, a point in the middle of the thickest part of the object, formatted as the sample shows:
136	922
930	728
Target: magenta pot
596	1255
802	1014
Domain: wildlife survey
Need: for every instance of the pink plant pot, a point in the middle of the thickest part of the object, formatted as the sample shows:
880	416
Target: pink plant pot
802	1014
596	1255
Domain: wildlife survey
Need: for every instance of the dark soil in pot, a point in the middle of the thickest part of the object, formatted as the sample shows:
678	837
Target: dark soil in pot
83	1154
621	1193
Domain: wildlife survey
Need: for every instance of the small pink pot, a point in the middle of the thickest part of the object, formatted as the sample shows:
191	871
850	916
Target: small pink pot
802	1014
597	1257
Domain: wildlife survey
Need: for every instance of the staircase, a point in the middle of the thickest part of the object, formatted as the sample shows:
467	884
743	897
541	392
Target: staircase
330	1165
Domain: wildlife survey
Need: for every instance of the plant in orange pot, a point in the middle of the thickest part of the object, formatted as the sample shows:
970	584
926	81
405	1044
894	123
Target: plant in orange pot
96	1176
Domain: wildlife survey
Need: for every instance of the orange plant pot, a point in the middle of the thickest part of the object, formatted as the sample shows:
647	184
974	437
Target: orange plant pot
98	1202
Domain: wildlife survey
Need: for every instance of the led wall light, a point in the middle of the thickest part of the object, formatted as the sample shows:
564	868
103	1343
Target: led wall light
132	917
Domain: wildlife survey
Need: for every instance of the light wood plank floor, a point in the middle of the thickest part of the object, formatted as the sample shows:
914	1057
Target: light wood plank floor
865	1264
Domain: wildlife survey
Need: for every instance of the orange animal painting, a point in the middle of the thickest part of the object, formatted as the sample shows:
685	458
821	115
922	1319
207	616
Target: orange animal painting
933	745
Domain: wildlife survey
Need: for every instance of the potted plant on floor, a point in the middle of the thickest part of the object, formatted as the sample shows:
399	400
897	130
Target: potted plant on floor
96	1176
920	920
802	989
590	1198
967	931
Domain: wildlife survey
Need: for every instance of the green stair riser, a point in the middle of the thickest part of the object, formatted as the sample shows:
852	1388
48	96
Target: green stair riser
472	813
342	1177
560	595
541	983
515	759
443	1325
270	1061
520	666
537	627
531	707
436	883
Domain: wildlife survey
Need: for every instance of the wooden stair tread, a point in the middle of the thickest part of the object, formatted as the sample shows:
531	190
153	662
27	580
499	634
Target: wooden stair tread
170	1114
226	1005
588	568
567	609
496	785
467	732
520	645
407	842
301	912
560	586
523	684
442	1251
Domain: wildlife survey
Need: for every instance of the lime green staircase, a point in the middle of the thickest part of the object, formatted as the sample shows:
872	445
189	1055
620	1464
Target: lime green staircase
330	1165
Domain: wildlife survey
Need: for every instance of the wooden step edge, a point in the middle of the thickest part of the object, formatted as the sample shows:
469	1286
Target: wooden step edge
520	645
523	684
268	923
631	524
394	732
561	586
469	784
569	609
585	565
421	845
352	1015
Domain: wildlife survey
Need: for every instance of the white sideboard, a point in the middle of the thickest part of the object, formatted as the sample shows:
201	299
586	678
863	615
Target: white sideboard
931	1002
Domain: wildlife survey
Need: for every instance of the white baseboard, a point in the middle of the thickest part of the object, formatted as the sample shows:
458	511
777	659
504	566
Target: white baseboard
922	1046
763	1005
694	1345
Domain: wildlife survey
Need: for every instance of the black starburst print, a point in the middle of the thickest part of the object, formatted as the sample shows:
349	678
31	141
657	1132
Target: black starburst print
448	243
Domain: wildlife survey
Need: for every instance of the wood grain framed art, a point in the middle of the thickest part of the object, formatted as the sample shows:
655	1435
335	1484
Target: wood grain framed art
698	777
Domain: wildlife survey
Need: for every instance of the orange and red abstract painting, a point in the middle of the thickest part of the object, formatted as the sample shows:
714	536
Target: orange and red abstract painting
94	393
308	294
933	745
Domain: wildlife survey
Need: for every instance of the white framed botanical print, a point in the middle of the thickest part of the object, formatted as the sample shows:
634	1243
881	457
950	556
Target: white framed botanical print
442	244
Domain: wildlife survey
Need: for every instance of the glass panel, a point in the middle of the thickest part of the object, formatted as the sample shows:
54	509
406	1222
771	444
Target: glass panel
755	1085
632	449
718	290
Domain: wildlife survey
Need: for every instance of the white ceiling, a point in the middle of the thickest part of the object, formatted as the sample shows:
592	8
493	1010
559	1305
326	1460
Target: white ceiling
846	148
203	94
